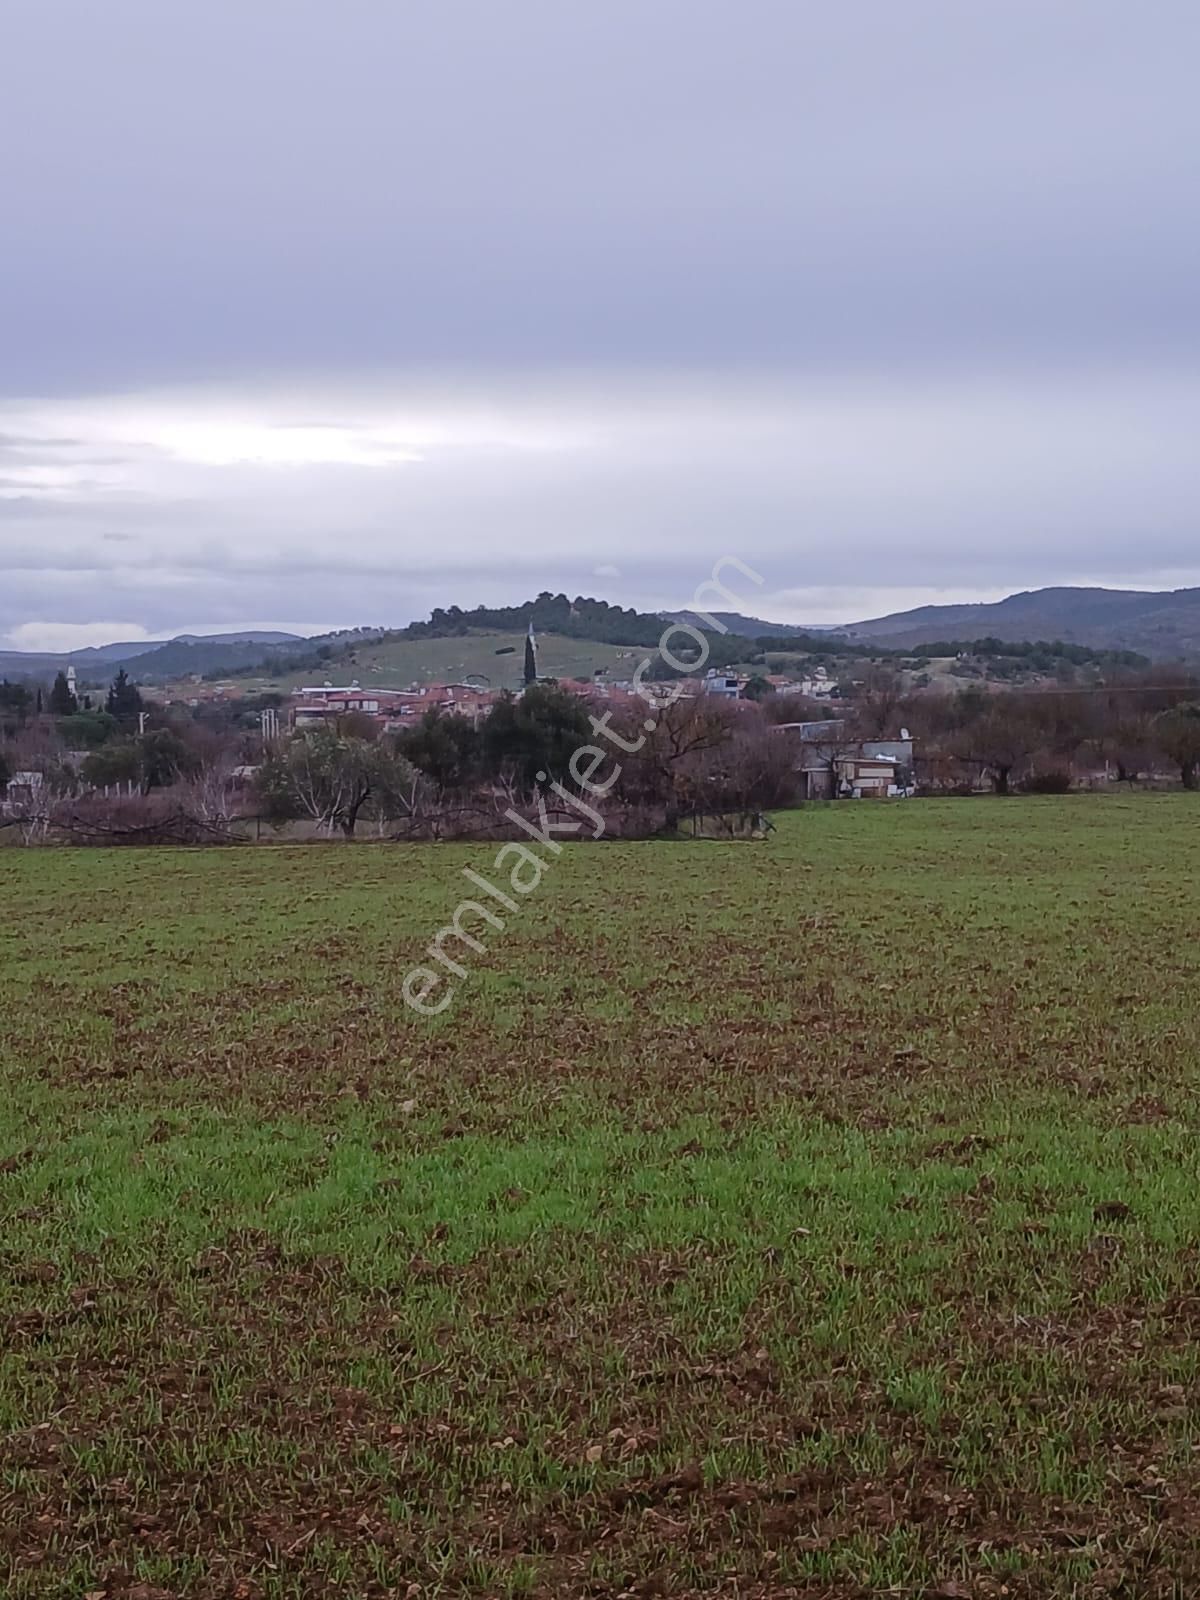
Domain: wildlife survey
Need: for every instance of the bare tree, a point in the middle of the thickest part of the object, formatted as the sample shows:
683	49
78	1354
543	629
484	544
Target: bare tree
1121	739
661	771
1000	742
754	770
791	707
877	702
41	785
214	797
1177	734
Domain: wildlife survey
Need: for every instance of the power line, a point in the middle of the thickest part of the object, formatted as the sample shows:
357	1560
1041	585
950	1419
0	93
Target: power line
1191	687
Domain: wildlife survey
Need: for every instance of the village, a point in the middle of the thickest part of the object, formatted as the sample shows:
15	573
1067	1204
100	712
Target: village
832	764
138	739
810	737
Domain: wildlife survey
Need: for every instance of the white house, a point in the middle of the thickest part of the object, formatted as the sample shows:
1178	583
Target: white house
725	684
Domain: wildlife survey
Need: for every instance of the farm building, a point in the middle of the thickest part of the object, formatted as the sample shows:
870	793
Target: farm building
834	765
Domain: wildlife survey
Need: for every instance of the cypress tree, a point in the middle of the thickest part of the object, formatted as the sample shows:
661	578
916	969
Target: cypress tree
124	702
62	702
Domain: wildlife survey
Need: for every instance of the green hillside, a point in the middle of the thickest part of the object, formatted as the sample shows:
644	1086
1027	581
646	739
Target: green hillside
397	663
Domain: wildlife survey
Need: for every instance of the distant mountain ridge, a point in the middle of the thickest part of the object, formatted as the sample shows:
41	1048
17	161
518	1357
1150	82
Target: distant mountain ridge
749	627
250	636
98	659
1161	624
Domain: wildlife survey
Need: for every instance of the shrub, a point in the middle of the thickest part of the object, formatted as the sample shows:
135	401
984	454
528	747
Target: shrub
1056	782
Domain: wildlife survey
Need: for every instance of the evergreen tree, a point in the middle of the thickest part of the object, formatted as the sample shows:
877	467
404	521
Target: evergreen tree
537	734
124	701
116	763
445	748
15	700
530	658
757	688
62	702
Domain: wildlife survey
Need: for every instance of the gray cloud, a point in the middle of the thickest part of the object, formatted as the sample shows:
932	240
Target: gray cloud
210	187
881	297
839	493
23	444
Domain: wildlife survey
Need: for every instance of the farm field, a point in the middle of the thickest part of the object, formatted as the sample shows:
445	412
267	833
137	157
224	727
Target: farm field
814	1218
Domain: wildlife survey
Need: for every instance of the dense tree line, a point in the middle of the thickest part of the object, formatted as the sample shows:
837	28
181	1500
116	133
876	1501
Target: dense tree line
1135	726
1040	653
581	618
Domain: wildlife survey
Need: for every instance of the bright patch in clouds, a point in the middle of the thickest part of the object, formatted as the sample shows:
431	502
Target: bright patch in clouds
53	637
233	442
363	426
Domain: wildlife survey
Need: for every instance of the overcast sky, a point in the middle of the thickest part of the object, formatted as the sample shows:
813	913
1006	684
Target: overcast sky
320	314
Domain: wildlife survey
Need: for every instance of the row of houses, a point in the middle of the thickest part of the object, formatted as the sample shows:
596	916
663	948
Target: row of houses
398	708
394	708
816	685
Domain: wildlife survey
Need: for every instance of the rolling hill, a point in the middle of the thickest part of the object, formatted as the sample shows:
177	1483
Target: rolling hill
495	655
155	658
1164	625
577	638
192	656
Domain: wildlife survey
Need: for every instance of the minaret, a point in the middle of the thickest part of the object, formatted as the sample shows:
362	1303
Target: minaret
71	683
530	657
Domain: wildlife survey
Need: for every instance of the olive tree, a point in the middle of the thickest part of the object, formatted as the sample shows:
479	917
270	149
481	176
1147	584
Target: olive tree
336	780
